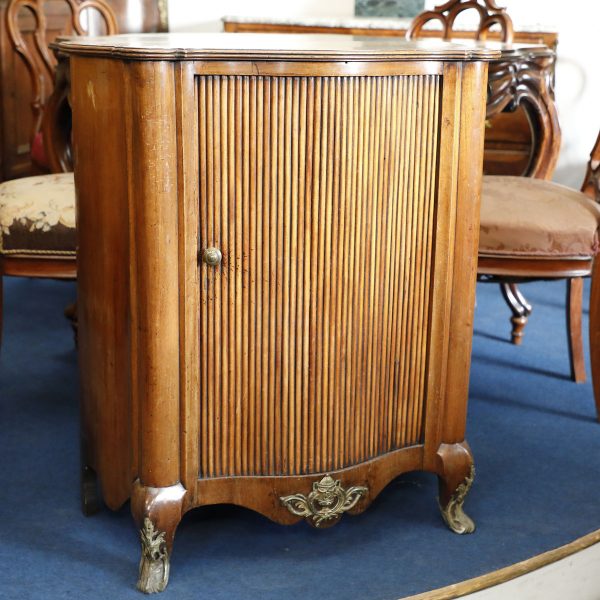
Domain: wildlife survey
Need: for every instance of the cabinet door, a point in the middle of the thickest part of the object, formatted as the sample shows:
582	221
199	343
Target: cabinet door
314	328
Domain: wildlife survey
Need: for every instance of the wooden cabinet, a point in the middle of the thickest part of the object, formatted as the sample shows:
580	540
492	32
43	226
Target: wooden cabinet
277	265
510	141
18	121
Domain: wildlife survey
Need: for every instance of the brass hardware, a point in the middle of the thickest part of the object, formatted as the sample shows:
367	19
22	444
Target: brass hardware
212	256
154	564
453	512
328	500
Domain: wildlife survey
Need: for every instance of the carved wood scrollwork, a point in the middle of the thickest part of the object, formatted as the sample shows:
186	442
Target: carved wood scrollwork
527	80
591	183
38	55
489	15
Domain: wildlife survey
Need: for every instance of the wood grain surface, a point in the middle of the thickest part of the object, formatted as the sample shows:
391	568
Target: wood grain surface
333	336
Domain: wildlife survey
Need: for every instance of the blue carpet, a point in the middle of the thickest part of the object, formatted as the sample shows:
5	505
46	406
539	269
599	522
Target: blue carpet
532	431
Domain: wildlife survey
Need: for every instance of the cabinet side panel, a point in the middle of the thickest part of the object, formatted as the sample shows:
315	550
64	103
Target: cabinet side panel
154	195
320	193
103	278
472	130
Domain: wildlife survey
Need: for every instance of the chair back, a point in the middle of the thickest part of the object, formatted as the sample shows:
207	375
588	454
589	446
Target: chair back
33	47
591	183
489	15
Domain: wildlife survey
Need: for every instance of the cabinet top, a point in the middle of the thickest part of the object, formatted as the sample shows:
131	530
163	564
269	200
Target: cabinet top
274	47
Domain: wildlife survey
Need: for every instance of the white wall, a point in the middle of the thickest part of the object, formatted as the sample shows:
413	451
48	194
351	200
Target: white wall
205	15
577	81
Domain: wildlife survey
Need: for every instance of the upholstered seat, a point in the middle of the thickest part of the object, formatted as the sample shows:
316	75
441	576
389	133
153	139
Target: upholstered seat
526	217
37	216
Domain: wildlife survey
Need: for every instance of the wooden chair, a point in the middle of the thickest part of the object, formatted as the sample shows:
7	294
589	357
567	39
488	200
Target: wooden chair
37	214
491	14
446	14
533	229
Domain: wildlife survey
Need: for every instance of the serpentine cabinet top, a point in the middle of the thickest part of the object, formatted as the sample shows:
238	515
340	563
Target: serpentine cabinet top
273	47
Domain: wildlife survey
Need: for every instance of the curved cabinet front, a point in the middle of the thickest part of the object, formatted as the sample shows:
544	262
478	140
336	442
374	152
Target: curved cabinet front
314	328
277	269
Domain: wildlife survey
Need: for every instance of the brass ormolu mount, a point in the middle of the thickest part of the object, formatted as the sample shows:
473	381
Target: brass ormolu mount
326	503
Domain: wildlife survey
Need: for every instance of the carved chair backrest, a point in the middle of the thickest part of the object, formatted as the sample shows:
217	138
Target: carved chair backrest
489	15
39	60
591	183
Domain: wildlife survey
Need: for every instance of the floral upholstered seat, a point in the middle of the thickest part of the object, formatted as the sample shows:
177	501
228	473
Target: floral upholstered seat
37	216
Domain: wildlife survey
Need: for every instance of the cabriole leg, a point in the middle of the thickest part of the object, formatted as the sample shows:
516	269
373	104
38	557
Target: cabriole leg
455	477
154	562
157	511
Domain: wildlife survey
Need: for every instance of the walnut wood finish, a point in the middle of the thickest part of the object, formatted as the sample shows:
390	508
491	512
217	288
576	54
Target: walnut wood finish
523	135
28	71
574	305
375	29
328	339
525	80
17	92
446	14
366	405
40	53
510	145
509	271
514	270
40	64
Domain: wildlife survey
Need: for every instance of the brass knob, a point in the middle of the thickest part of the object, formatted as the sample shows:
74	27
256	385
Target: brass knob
212	256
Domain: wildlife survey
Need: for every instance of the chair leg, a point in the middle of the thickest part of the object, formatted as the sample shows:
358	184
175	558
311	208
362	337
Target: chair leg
574	335
520	308
595	333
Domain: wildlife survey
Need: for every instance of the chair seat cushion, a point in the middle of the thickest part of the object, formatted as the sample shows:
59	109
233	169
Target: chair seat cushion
525	217
37	216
